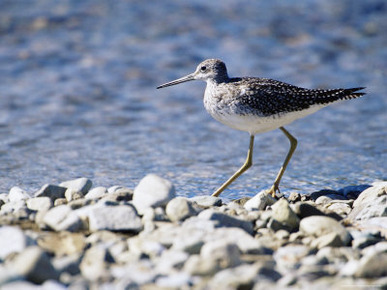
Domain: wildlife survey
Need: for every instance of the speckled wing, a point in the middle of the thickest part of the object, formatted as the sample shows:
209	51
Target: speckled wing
271	97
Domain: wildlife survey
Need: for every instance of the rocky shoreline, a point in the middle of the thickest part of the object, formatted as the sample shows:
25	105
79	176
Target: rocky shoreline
75	236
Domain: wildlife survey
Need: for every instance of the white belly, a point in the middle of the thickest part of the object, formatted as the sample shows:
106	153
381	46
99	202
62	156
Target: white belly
256	124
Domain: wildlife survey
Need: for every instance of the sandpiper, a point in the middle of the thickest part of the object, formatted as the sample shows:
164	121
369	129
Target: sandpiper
257	105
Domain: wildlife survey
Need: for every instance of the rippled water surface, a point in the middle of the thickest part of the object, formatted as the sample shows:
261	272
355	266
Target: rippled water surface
78	97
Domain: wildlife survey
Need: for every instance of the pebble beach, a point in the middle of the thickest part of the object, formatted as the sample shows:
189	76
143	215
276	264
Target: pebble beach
76	236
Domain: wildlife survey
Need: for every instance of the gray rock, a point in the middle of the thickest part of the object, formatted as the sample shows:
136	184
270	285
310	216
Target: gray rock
12	240
42	203
290	257
152	191
17	206
179	280
62	218
371	193
190	241
340	208
371	266
80	184
94	263
224	220
329	240
96	192
171	260
294	197
196	265
321	225
284	214
260	201
72	194
377	224
35	265
322	200
179	209
240	277
362	240
17	194
60	201
206	201
115	218
333	194
62	243
370	209
225	253
353	191
119	193
51	191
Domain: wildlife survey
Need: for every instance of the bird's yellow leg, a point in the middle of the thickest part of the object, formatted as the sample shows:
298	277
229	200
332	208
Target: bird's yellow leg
293	146
245	166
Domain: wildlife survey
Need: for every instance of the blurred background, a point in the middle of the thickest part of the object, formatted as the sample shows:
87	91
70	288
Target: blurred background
78	97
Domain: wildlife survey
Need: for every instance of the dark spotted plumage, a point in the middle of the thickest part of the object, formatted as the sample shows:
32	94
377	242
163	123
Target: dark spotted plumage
270	97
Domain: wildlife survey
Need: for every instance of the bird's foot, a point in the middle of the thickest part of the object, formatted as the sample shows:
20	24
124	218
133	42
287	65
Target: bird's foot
273	190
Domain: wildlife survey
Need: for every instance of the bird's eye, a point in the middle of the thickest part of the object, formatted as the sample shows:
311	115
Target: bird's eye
203	68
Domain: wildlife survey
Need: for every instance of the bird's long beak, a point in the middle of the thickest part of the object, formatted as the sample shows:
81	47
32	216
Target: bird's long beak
187	78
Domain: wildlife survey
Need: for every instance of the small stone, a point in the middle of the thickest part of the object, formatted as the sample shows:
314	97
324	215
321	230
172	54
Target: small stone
225	254
152	191
171	260
119	193
224	220
328	240
179	209
62	218
17	194
60	201
12	240
353	191
122	218
322	200
179	280
72	194
372	266
340	208
94	263
371	193
80	184
35	265
290	257
321	225
260	201
240	277
206	201
96	193
368	210
63	243
284	214
294	197
333	194
42	203
51	191
195	265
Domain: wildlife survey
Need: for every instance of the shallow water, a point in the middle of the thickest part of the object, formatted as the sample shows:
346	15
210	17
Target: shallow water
78	93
